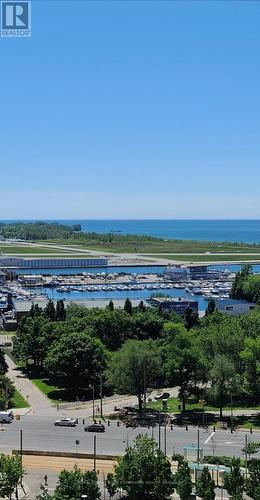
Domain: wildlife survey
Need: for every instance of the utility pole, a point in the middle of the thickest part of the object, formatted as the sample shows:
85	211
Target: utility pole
165	433
231	413
93	402
21	455
144	386
95	451
6	398
246	452
101	397
159	430
198	448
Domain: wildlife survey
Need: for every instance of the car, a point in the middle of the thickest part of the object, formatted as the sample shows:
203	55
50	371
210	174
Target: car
163	395
66	422
95	428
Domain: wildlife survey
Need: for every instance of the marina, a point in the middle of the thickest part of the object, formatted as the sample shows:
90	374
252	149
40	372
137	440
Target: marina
120	282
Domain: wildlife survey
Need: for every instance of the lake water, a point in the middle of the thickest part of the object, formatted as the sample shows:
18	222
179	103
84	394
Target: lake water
247	231
117	294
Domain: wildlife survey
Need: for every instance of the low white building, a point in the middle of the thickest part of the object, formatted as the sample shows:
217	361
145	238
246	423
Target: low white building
234	306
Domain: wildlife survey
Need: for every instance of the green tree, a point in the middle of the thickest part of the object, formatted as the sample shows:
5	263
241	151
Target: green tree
112	327
252	484
76	360
11	472
184	366
49	311
233	480
73	485
223	374
3	363
251	357
60	314
7	391
141	306
111	305
182	481
211	307
111	485
144	472
191	318
205	485
128	306
135	367
30	343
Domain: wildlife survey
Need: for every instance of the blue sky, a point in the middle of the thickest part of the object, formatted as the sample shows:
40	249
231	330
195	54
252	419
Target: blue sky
132	110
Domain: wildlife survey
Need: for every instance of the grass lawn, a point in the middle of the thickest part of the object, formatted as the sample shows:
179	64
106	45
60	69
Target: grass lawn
23	249
51	391
58	394
18	401
136	245
208	258
173	404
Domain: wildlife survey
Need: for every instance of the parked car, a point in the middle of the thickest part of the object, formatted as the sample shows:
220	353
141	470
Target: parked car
6	417
95	428
163	395
66	422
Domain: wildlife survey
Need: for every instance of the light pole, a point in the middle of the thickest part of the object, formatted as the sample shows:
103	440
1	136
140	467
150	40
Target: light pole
159	430
231	412
95	450
93	402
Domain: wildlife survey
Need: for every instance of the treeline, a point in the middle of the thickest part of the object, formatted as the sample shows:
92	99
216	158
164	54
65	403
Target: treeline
216	358
246	285
7	389
37	231
54	231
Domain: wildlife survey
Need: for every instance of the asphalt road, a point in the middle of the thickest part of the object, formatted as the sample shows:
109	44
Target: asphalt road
39	433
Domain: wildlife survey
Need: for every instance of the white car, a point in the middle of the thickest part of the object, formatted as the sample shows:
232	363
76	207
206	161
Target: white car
66	422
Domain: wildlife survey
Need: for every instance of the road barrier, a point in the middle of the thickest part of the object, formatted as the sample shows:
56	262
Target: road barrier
64	454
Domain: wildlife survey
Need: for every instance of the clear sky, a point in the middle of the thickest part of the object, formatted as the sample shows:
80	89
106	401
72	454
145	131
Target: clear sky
132	110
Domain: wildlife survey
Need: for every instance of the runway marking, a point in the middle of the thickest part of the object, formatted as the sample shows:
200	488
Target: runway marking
209	437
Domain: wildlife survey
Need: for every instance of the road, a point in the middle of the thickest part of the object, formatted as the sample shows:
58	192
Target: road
39	433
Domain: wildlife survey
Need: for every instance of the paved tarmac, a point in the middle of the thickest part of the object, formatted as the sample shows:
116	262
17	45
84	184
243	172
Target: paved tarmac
39	433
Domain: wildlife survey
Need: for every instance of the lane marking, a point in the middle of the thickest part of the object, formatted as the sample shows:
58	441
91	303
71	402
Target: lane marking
209	438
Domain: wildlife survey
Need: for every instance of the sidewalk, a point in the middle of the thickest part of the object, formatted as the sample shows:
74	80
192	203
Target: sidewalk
36	399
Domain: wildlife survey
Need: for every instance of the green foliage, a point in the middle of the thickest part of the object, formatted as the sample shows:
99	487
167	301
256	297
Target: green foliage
211	307
74	484
32	340
251	357
10	473
36	231
111	305
182	481
223	375
60	314
135	366
76	360
144	472
205	486
7	392
191	318
251	448
233	480
252	484
3	364
49	311
245	285
184	366
111	484
128	306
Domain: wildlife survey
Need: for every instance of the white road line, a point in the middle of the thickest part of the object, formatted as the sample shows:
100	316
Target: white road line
209	438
